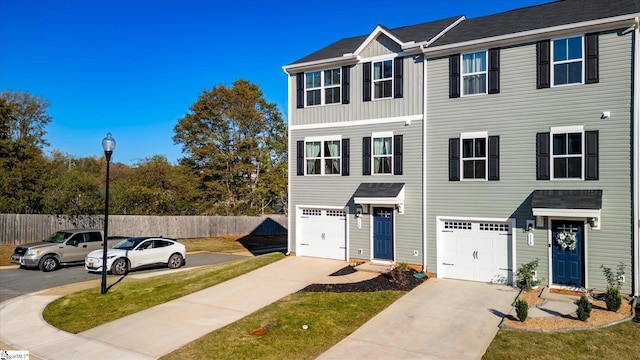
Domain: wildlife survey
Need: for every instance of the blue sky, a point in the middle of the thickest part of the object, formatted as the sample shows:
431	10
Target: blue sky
134	67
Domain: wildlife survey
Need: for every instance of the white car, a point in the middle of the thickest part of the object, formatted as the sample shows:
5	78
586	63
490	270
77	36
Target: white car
137	252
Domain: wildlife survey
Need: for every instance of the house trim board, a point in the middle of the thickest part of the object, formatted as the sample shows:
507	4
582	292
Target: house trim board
404	119
636	160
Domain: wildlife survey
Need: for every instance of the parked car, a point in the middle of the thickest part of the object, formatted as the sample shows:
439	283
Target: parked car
64	247
138	252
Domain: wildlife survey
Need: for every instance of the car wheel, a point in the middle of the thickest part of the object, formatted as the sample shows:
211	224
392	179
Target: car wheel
175	261
49	263
120	267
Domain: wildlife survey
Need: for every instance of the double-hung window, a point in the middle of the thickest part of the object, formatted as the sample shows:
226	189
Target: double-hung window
474	73
383	79
382	153
474	156
567	61
322	156
322	87
567	153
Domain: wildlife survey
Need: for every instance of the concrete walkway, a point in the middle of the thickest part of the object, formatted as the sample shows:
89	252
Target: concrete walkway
162	329
440	319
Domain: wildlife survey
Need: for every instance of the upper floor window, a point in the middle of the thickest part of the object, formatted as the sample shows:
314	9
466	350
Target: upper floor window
474	73
567	155
567	152
382	79
573	60
322	87
322	156
382	154
474	157
567	61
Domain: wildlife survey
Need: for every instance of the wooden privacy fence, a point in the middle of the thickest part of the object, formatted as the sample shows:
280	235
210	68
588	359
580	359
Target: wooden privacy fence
18	229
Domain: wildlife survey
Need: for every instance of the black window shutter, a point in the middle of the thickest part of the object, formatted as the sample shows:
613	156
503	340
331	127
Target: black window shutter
366	156
454	76
454	159
543	158
591	64
346	152
494	158
397	155
300	157
543	62
494	71
345	84
366	81
592	162
300	90
397	77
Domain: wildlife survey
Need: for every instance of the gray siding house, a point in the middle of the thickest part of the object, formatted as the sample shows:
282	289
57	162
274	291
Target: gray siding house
468	147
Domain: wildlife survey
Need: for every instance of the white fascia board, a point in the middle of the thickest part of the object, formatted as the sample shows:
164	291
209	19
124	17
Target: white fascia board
600	24
366	122
576	213
374	34
346	59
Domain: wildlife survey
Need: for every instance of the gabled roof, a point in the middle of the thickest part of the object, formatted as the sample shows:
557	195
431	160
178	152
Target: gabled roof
415	33
563	12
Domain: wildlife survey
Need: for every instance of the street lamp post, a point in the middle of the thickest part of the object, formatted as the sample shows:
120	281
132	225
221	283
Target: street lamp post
108	144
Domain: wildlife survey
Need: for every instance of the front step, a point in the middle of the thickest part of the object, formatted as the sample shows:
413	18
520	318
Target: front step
379	268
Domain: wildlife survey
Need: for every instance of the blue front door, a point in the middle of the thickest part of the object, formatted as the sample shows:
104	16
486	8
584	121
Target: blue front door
567	263
383	233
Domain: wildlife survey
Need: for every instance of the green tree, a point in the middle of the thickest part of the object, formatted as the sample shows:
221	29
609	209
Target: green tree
23	167
235	143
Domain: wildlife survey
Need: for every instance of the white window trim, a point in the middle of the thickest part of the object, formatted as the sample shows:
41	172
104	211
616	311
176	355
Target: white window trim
322	87
485	72
552	62
566	130
322	140
475	135
374	81
377	135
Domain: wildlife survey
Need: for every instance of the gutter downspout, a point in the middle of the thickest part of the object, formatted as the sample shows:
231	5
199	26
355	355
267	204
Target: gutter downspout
636	156
424	161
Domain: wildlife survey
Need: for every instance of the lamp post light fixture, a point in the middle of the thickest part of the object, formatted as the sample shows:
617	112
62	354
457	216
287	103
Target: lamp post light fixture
108	144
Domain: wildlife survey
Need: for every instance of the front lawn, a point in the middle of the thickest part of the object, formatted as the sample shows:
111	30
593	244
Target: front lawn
329	316
620	341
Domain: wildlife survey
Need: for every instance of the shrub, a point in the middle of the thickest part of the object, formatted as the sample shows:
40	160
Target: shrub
613	299
522	309
525	274
584	308
612	296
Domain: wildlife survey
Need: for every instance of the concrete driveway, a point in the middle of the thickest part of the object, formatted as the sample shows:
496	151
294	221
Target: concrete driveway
440	319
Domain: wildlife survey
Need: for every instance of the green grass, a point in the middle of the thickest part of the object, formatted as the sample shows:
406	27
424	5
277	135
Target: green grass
330	318
620	341
76	312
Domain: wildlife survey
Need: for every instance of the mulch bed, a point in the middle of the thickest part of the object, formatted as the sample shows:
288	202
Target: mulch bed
396	280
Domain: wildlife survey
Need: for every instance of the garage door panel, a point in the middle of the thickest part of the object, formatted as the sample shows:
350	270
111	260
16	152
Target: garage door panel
477	251
322	233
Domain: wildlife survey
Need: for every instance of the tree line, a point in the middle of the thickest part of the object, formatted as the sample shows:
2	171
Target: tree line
235	162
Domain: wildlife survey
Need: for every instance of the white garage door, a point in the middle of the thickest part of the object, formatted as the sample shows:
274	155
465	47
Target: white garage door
475	250
322	233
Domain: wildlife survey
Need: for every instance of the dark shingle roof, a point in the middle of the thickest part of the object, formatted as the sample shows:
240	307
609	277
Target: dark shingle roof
567	199
417	33
378	190
537	17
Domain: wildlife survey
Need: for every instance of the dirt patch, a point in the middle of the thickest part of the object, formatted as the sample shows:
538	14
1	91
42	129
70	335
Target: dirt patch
398	280
600	316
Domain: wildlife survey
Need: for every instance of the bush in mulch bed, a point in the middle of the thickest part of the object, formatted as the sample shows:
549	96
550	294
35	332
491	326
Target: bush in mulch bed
637	317
398	279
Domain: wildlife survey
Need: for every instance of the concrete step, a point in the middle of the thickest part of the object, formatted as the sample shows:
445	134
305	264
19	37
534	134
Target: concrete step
375	268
